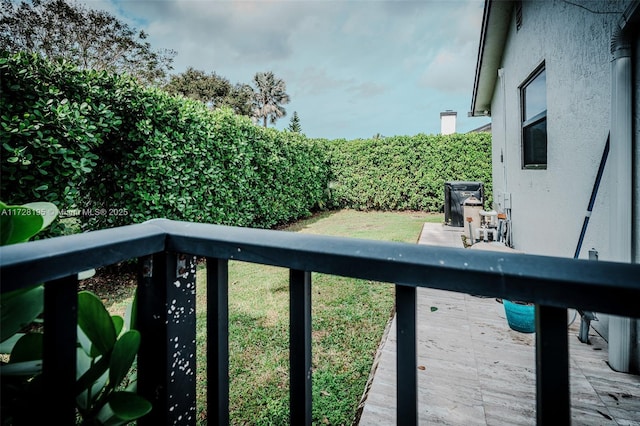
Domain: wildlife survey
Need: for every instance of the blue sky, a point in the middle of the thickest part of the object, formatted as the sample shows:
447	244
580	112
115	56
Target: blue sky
352	68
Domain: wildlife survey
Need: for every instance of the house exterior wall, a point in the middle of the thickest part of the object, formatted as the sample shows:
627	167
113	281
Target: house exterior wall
548	207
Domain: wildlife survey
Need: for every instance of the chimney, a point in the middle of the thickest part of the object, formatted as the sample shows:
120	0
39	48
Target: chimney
448	122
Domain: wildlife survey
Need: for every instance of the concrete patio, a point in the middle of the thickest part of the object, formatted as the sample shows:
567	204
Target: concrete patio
474	370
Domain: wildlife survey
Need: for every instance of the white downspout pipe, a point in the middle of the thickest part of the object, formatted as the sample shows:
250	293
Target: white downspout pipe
621	172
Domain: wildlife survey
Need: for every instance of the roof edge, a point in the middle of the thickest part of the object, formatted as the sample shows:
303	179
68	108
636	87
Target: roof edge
496	21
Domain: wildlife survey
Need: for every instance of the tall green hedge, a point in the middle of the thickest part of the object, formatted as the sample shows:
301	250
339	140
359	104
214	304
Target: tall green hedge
52	118
120	153
188	163
406	172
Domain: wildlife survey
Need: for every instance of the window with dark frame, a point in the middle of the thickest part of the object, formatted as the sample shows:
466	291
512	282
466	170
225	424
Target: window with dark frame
534	120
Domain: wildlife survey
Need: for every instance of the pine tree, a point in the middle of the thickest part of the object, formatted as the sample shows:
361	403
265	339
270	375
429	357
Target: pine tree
294	125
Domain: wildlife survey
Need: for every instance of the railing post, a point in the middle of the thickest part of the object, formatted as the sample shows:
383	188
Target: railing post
218	341
166	321
151	322
406	362
552	367
300	347
59	351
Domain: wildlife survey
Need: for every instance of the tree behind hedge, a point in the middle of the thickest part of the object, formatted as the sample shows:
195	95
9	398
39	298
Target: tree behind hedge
88	38
215	91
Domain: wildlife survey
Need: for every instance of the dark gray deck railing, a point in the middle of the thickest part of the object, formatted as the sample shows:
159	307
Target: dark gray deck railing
166	317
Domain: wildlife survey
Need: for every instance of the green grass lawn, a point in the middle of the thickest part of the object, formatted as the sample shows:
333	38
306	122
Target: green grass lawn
349	318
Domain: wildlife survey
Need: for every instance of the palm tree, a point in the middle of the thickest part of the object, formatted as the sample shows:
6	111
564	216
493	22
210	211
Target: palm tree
269	97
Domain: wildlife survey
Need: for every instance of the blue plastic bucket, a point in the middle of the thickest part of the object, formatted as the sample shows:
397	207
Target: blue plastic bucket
520	317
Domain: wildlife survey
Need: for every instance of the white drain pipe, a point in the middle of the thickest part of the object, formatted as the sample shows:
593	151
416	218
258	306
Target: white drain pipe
621	172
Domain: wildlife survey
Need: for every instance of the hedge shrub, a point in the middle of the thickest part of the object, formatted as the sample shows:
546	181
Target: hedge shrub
186	162
122	153
52	118
406	172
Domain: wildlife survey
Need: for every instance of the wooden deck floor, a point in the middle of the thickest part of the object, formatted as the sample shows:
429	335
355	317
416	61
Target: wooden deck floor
474	370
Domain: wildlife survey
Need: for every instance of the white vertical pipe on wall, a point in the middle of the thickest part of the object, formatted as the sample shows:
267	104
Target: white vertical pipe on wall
621	170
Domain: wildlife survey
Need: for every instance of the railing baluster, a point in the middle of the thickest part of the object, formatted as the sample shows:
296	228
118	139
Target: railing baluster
218	340
300	347
59	351
552	367
406	362
181	334
152	361
166	320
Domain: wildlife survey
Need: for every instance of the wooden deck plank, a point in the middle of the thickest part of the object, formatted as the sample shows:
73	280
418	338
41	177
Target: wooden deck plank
475	370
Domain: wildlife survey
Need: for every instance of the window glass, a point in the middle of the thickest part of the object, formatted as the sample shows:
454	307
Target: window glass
535	146
535	96
534	121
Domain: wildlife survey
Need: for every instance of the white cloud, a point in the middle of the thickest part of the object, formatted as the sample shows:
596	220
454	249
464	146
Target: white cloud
214	35
449	72
343	61
367	89
452	68
314	81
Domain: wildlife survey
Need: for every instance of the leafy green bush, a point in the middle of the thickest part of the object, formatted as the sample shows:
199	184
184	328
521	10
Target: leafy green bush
185	162
122	153
52	117
55	121
406	172
106	351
